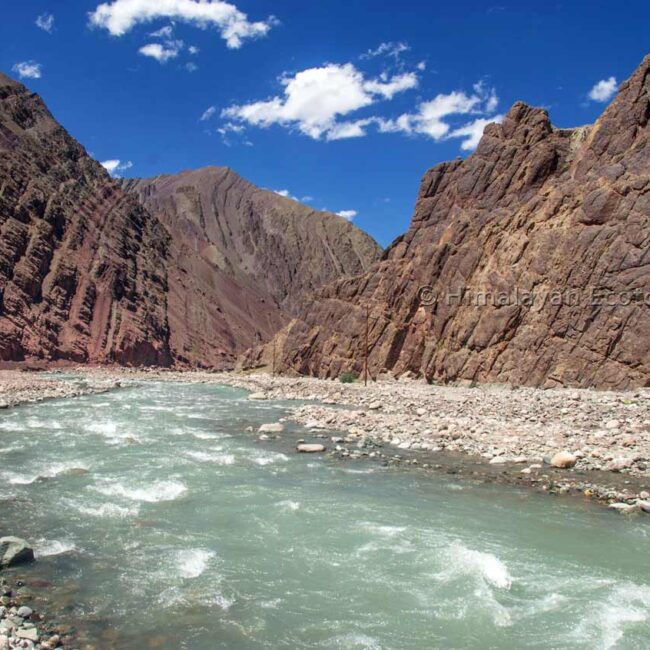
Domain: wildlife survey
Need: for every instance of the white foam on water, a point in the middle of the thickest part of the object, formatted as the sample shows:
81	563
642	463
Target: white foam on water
216	457
221	601
269	457
192	563
626	605
288	505
382	530
108	510
476	564
153	493
200	435
353	641
350	470
51	547
51	471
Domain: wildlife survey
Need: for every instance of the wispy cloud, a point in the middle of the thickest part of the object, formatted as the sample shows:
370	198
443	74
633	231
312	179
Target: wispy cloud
121	16
28	70
392	49
45	22
208	113
348	214
162	52
604	90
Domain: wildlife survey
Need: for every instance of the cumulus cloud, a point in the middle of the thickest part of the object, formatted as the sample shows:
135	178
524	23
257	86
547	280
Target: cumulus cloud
45	22
115	167
432	118
348	214
315	98
121	16
604	90
28	70
162	52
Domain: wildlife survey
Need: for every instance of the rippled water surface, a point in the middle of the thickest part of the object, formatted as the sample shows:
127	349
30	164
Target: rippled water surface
163	523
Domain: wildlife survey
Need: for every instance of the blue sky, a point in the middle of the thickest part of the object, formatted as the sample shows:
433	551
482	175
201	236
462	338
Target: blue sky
343	104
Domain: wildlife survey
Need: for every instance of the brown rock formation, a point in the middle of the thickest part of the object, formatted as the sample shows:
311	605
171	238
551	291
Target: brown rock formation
82	265
241	258
562	215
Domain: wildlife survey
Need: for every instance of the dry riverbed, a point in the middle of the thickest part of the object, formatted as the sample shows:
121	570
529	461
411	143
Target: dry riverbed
20	387
594	443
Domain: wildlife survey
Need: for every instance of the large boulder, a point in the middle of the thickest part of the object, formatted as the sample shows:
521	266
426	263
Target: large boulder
14	550
563	460
310	448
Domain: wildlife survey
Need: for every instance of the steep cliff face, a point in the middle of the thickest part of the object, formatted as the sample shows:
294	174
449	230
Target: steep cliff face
528	262
83	271
242	257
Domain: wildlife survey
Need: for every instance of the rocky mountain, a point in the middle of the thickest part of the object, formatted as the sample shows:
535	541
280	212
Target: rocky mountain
83	273
209	265
245	257
528	262
284	248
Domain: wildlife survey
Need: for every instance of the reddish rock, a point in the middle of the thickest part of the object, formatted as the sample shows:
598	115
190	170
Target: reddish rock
83	273
560	214
244	258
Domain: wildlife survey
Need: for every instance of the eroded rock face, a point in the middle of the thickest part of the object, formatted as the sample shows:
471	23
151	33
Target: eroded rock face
283	248
83	272
535	211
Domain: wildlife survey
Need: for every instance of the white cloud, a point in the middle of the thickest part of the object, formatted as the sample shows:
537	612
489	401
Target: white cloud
392	49
473	131
45	22
28	70
314	98
348	214
191	67
432	117
208	113
163	32
120	16
192	49
114	167
604	90
286	194
162	52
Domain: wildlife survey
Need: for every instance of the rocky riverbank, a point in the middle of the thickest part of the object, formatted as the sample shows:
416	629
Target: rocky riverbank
594	443
20	387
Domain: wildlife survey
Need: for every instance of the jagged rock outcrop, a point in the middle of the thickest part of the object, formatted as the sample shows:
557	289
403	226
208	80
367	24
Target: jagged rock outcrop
83	272
242	258
528	262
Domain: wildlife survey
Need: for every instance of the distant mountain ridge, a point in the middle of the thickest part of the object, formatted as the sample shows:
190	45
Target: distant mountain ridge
534	209
211	265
